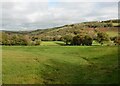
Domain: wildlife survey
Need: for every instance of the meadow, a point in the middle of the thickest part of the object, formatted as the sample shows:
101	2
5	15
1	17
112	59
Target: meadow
59	64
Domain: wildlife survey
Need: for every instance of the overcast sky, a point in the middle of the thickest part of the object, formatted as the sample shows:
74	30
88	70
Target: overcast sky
21	15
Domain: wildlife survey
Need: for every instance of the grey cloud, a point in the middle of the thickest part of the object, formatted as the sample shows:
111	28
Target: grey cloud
37	15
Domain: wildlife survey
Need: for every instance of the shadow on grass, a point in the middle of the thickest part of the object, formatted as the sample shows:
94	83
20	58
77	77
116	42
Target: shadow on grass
63	44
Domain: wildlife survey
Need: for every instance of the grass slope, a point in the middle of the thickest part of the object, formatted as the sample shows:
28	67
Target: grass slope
59	64
52	43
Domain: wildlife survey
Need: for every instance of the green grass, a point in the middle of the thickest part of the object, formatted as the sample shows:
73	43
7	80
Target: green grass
51	43
112	33
60	64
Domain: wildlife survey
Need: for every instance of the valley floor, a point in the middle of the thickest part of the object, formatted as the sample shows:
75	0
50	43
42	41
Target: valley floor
59	64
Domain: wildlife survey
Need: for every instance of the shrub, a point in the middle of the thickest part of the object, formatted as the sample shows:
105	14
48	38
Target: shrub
87	40
117	40
102	37
67	39
77	40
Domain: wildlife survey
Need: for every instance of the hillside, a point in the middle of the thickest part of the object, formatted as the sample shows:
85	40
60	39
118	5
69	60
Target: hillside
74	27
108	26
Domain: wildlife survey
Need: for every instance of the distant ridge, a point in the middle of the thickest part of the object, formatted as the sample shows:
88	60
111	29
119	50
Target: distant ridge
69	28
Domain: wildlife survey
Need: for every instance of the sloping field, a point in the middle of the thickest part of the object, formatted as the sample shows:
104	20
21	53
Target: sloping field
52	43
112	32
59	64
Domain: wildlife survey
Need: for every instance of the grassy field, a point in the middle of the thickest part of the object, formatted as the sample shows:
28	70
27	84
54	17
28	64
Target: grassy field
59	64
52	43
112	33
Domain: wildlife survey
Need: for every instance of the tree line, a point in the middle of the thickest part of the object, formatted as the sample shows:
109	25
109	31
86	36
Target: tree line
77	38
85	39
19	39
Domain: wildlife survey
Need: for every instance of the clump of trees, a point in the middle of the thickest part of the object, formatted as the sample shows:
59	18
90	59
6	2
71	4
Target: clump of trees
87	39
35	40
78	40
67	39
18	39
102	37
51	38
116	40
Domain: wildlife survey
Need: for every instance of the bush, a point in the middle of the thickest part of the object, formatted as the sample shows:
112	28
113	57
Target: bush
82	40
67	39
117	40
102	37
88	40
37	42
77	40
14	39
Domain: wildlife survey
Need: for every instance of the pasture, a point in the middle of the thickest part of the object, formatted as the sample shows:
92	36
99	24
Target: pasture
59	64
52	43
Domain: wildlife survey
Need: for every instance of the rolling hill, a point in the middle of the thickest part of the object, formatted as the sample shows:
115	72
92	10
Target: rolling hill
108	26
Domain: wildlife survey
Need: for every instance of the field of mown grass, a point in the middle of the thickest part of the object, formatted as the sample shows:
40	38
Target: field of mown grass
59	64
52	43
